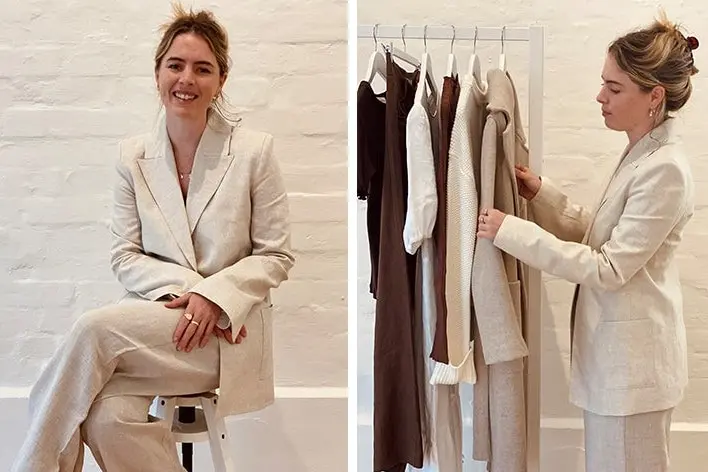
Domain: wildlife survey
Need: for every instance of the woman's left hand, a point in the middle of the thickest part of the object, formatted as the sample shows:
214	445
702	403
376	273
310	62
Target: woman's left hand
489	223
197	323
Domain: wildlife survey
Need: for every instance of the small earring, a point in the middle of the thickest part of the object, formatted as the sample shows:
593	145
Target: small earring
651	112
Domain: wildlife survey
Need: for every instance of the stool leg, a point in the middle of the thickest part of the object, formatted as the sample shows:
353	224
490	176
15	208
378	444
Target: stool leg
218	438
187	414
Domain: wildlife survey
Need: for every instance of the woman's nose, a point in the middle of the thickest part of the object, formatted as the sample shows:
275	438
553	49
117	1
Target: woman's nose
187	77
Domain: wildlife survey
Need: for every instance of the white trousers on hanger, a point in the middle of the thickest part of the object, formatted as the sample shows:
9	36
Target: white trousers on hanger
99	385
442	431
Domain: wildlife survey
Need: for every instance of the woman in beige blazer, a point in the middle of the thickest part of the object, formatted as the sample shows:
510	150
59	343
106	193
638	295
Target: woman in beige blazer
628	364
200	216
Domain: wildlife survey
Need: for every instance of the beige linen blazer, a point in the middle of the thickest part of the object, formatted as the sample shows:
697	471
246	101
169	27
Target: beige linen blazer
229	242
629	339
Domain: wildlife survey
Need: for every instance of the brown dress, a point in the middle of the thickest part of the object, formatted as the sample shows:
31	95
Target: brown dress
448	107
397	422
371	148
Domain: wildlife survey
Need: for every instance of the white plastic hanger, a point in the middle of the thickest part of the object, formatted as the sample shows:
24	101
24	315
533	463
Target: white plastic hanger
377	61
451	61
502	56
426	71
475	69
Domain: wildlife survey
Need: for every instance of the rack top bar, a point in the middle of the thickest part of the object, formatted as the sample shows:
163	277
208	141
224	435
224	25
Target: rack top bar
445	32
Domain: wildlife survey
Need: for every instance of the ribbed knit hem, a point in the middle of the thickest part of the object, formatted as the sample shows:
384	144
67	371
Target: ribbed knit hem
448	374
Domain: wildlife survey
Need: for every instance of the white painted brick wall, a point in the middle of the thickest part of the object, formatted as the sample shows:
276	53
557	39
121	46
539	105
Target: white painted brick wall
579	153
75	79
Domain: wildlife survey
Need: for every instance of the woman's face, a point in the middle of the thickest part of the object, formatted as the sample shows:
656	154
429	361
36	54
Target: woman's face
625	107
188	77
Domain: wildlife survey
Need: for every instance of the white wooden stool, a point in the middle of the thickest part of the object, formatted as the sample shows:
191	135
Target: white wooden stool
205	427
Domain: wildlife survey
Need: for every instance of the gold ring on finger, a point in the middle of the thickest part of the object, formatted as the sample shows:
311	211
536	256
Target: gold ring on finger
194	322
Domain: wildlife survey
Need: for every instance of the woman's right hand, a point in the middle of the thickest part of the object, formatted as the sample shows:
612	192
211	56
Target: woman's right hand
529	183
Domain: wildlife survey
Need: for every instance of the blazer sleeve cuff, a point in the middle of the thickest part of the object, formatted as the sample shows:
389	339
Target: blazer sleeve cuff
169	292
548	195
224	321
235	309
507	237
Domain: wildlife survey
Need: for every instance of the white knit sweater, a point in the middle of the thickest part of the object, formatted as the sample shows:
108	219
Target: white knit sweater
462	209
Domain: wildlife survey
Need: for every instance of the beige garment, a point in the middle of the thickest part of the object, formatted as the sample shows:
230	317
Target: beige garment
498	293
636	443
229	243
629	339
100	383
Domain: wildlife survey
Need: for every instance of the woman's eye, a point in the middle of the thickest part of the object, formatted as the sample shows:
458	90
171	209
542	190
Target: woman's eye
173	66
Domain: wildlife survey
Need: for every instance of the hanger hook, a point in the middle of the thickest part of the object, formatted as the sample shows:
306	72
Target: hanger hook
376	41
502	38
403	35
452	43
474	45
425	37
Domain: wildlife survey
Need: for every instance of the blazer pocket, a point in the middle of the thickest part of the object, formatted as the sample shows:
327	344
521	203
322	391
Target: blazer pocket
624	354
266	367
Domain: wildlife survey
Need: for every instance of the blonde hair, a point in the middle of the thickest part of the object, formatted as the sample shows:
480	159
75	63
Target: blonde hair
658	55
204	24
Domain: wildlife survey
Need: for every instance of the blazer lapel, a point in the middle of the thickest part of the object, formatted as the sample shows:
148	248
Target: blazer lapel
160	173
644	148
211	162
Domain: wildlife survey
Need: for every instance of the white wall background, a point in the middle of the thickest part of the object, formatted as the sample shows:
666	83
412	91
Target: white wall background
579	153
75	78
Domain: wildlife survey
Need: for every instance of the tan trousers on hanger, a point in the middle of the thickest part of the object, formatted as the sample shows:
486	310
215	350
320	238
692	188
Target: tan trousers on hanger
99	385
636	443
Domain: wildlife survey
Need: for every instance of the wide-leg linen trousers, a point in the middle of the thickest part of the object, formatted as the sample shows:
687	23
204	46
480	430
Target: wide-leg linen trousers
635	443
99	385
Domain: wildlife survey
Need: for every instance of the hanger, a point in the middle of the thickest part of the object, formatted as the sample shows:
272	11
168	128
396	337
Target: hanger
426	70
377	61
475	69
451	61
502	56
402	54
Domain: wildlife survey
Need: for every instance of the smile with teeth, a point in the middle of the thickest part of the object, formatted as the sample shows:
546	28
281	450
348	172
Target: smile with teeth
185	97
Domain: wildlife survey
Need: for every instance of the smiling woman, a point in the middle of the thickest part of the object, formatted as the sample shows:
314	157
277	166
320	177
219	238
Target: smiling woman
198	314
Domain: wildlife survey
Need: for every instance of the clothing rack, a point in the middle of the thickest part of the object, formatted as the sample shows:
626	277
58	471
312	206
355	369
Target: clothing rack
534	35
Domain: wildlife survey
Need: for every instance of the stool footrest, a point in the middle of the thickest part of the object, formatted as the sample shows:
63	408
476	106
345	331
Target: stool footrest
206	426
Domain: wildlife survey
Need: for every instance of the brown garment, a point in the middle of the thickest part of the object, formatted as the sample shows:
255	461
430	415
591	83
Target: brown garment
397	422
448	107
371	148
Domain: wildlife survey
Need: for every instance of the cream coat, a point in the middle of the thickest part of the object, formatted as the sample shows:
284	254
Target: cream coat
629	340
230	242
